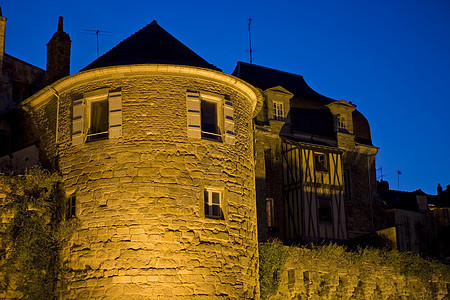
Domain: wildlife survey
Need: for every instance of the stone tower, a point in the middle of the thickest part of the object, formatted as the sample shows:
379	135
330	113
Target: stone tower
157	161
58	55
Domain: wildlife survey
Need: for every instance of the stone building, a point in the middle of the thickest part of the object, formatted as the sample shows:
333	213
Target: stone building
175	169
315	162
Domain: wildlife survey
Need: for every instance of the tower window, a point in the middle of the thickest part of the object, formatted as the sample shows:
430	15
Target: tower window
98	120
71	206
213	203
210	120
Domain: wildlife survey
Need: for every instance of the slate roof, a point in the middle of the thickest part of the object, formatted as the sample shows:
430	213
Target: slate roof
150	45
309	113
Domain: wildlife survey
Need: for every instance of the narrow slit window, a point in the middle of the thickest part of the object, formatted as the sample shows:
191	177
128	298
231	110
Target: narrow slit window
72	206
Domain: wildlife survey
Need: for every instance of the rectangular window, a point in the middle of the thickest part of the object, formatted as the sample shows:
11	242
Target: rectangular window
320	162
210	116
213	203
97	115
325	210
269	211
210	120
98	120
71	207
341	127
278	112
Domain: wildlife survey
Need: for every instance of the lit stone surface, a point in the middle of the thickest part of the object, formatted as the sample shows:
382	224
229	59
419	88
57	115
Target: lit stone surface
142	230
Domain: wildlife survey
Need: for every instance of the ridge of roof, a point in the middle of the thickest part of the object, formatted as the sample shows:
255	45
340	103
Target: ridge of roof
150	44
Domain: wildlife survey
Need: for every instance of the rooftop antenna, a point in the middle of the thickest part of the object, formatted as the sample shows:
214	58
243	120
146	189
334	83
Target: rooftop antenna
97	33
250	39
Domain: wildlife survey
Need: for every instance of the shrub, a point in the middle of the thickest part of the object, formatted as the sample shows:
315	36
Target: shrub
272	256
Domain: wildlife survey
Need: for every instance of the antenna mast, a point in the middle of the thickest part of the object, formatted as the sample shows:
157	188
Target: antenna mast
250	40
97	32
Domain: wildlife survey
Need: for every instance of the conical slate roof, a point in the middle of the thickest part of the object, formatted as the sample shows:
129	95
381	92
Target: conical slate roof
150	45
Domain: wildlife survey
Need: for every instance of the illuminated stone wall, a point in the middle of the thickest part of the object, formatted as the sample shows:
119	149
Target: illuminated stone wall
330	276
142	230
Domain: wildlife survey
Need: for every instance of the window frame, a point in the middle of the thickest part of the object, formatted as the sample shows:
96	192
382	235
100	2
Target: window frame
277	107
208	204
318	165
341	123
218	101
71	206
82	115
225	117
92	137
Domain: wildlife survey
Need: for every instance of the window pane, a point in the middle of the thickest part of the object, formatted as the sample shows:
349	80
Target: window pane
216	210
215	198
209	117
99	116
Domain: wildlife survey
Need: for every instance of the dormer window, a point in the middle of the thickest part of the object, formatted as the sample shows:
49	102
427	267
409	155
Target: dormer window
341	124
278	111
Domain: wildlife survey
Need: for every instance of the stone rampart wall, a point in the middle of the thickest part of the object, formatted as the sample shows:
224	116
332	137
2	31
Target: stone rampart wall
312	274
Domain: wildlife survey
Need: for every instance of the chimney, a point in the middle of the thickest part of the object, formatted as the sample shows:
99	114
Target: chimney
58	55
2	41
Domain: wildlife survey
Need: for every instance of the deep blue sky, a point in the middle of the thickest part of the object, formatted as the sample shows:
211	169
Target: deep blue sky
391	58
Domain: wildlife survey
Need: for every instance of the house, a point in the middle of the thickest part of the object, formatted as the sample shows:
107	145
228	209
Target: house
315	162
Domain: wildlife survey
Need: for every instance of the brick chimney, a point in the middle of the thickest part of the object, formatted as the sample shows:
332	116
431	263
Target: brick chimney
2	41
58	55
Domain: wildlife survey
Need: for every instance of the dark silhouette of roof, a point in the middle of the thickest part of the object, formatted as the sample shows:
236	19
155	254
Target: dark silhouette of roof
150	45
308	108
265	78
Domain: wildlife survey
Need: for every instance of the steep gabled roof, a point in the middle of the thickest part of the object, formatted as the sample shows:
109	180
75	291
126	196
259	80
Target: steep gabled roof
150	45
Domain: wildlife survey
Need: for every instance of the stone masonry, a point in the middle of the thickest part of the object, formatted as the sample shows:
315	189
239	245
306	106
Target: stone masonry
139	198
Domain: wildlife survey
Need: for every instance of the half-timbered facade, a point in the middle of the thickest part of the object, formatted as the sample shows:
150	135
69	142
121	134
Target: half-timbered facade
313	191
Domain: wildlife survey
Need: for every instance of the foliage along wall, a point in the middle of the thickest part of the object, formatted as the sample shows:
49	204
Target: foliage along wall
32	231
331	272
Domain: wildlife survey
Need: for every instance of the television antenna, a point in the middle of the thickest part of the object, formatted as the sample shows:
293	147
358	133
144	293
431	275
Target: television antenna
97	32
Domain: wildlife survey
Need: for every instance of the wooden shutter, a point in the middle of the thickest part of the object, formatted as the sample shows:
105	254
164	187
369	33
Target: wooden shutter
194	128
115	115
228	115
78	116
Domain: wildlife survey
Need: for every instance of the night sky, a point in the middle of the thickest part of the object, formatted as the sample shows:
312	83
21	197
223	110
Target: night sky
390	58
